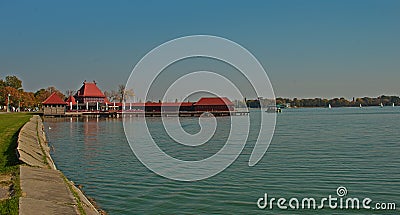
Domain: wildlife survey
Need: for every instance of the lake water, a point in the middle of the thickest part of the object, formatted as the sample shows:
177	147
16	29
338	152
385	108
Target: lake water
313	152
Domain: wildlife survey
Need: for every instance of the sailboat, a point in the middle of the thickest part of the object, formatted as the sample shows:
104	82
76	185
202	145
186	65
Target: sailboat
360	106
381	105
393	104
329	106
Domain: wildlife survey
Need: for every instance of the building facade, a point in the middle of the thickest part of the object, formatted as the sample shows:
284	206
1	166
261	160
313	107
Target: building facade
54	105
89	97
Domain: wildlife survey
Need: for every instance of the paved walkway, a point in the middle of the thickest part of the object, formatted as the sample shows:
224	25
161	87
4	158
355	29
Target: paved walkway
45	192
44	188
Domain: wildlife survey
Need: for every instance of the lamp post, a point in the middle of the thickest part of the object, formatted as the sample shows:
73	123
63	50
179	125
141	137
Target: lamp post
8	102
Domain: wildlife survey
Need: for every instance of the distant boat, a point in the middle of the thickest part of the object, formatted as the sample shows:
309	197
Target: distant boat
381	104
393	104
273	109
329	106
360	106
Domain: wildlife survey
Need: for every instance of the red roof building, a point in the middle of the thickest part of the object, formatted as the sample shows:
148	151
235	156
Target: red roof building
155	106
90	93
53	99
214	104
53	105
70	100
206	104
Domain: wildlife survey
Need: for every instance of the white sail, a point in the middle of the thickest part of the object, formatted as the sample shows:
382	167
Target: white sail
393	104
381	104
360	106
329	106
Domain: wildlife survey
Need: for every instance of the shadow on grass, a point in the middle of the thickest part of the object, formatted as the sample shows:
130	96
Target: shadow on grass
11	153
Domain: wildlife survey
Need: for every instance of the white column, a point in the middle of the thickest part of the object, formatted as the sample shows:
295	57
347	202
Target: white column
106	106
70	105
97	105
87	105
77	107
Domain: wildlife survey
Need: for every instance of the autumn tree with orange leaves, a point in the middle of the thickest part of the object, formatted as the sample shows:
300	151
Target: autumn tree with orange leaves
12	85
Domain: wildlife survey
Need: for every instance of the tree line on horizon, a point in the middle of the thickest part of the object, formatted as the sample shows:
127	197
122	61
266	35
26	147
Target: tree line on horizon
320	102
12	85
340	102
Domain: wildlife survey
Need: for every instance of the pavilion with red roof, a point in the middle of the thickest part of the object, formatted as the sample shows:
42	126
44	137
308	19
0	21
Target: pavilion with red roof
90	97
54	105
71	102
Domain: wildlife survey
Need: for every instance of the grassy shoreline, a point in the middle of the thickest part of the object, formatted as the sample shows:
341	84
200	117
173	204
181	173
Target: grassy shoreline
10	125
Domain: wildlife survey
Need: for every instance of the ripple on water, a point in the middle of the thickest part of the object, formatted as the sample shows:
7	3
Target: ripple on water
312	153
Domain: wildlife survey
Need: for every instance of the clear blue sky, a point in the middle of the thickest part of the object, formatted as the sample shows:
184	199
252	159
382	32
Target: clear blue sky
309	48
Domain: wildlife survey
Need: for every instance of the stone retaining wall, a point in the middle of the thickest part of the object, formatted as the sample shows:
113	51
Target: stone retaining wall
45	190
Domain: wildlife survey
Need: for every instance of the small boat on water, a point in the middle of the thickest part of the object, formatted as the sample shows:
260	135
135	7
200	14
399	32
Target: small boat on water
360	106
329	106
393	104
381	105
274	109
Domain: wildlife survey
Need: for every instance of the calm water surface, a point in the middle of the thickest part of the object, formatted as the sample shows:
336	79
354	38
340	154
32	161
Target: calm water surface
313	152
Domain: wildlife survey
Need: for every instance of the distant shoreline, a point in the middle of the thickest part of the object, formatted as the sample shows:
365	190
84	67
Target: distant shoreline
321	102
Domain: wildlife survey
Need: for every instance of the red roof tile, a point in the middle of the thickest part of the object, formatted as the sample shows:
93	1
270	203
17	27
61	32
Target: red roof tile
214	101
53	99
71	99
90	90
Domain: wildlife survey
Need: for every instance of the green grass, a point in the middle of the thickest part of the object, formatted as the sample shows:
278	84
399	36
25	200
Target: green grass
76	196
10	124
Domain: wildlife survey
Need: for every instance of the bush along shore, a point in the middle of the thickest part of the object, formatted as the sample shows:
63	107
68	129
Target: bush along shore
44	189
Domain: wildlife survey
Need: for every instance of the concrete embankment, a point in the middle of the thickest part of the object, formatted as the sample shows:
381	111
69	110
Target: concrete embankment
45	190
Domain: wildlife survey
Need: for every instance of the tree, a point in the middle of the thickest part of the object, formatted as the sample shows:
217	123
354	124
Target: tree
108	95
112	95
28	99
53	89
124	94
128	95
2	83
14	95
13	81
42	94
70	93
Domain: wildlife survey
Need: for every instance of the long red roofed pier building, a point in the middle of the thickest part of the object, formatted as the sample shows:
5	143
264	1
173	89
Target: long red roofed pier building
214	104
90	100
